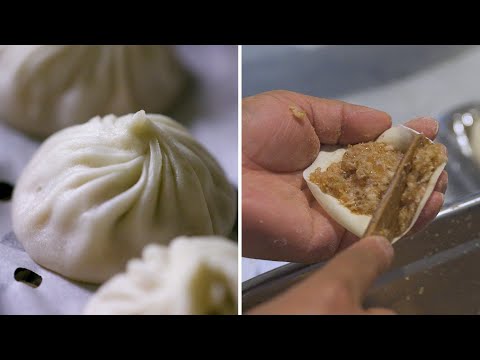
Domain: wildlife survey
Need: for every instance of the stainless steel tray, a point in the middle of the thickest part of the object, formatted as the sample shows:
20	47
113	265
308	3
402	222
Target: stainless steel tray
463	170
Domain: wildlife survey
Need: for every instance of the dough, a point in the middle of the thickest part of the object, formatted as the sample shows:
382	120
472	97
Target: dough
95	194
191	276
45	88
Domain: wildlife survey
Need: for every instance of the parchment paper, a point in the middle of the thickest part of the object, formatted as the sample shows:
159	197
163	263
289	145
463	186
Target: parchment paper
209	109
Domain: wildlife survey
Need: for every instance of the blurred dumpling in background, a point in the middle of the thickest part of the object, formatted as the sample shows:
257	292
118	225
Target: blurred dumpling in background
195	275
45	88
95	194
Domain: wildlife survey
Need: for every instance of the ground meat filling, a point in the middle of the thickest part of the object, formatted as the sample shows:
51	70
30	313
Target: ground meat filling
426	160
361	179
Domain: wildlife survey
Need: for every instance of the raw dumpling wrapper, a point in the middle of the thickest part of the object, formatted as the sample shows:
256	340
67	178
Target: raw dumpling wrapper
192	276
45	88
95	194
400	138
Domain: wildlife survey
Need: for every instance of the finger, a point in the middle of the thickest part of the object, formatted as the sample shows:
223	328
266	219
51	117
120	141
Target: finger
339	286
380	311
358	266
429	212
442	183
425	125
282	130
338	122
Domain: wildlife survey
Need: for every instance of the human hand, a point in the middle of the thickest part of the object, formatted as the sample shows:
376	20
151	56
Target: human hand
339	287
282	135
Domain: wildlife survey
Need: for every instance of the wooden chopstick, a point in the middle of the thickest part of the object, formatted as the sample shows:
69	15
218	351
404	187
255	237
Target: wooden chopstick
385	218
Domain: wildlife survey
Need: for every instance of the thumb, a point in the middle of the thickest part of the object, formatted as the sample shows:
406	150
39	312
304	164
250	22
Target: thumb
342	283
357	267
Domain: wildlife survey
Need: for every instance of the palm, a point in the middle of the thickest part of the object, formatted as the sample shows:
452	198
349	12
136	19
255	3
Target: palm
287	211
282	133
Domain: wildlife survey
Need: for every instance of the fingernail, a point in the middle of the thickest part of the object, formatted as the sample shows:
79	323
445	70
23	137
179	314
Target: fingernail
365	109
385	246
444	149
424	118
443	184
443	196
437	125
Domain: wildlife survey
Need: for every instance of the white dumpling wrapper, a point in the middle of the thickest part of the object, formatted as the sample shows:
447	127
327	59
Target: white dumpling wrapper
400	138
192	276
45	88
93	195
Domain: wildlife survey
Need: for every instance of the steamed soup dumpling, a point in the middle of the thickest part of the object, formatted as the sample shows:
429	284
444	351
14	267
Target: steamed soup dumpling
95	194
45	88
195	275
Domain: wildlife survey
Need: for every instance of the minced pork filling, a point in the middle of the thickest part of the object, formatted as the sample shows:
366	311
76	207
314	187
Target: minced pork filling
361	179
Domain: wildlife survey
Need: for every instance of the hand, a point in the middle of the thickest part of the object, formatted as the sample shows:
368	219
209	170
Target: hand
339	287
282	135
